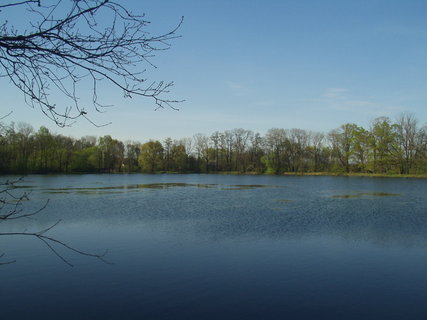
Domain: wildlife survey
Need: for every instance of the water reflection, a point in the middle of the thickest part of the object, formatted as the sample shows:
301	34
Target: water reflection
200	247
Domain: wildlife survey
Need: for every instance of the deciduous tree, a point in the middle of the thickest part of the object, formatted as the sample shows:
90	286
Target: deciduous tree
151	156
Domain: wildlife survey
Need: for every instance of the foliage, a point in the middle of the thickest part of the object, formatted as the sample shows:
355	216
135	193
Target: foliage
386	148
151	156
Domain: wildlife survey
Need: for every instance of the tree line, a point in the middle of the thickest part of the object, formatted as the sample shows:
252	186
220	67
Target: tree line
386	147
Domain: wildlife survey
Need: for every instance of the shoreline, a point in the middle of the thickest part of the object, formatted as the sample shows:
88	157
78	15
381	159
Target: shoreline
296	174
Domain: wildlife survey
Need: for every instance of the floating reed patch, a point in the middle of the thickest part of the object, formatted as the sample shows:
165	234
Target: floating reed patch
246	186
15	186
126	188
366	194
347	196
381	194
99	192
158	186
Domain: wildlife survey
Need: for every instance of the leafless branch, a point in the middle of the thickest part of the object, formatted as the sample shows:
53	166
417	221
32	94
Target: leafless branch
10	209
51	242
6	262
6	115
70	47
12	4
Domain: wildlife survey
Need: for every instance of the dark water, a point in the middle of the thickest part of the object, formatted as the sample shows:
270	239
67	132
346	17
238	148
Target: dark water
220	247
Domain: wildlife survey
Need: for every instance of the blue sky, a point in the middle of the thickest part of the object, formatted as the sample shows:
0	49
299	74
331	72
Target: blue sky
312	65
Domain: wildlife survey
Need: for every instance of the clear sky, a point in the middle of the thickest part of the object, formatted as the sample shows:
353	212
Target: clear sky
256	65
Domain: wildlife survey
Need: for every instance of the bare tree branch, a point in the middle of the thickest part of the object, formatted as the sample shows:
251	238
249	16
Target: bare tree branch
50	242
12	4
70	47
10	209
6	115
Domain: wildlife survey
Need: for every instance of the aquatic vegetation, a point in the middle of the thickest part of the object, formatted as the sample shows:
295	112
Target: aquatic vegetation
381	194
157	186
365	194
16	186
347	196
246	186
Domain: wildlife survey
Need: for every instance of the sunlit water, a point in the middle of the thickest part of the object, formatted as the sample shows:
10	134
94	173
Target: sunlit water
220	247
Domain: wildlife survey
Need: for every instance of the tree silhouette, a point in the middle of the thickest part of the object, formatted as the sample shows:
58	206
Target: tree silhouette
70	45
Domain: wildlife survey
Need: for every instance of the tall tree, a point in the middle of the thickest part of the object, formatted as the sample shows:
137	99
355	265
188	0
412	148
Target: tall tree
151	156
132	152
360	150
44	149
342	144
167	145
112	154
201	144
317	139
406	135
179	157
256	153
215	139
297	146
226	145
276	140
383	144
241	140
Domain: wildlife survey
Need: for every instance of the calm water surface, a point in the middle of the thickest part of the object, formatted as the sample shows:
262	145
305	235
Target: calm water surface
220	247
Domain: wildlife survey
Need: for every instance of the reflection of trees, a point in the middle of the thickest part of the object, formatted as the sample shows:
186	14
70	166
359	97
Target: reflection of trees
11	208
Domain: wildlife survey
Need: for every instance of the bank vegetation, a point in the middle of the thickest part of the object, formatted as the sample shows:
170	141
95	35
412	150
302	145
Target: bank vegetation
385	148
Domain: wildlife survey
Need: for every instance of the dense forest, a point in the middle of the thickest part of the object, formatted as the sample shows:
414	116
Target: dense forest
386	147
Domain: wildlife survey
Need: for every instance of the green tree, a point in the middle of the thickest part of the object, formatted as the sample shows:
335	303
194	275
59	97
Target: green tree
151	156
342	144
86	160
112	154
132	151
361	150
383	144
179	158
45	149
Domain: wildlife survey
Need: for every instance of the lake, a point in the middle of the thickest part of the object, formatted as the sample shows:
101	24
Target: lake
219	247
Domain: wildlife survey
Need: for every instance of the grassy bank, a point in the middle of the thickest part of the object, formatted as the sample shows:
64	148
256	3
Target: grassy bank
354	174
